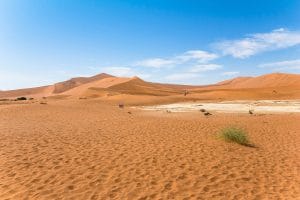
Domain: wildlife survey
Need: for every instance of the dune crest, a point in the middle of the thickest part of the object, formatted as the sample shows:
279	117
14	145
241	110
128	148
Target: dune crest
74	82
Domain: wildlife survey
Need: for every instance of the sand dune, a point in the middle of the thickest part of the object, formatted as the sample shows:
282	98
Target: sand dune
95	86
75	82
98	86
116	86
265	81
233	82
51	90
37	92
137	86
270	86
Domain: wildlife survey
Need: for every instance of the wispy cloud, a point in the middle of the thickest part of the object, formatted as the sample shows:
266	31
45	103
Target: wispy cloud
192	56
230	73
282	65
196	55
155	62
204	68
259	42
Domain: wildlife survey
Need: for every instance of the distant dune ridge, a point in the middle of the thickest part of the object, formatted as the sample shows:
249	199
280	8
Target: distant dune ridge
265	81
274	86
74	82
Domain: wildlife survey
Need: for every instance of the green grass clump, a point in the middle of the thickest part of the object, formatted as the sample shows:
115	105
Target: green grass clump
236	135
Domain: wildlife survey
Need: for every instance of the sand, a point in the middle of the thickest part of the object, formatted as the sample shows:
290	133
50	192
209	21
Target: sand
91	149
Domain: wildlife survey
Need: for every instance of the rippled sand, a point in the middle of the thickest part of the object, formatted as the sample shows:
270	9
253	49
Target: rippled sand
93	150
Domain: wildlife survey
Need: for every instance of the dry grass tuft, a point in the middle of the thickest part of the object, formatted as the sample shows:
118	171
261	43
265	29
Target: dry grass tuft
236	135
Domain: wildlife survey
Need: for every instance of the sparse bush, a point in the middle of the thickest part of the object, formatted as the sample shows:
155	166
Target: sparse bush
236	135
21	99
207	113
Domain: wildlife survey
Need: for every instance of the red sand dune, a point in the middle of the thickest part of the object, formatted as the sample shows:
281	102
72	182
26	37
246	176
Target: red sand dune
270	86
55	89
74	82
265	81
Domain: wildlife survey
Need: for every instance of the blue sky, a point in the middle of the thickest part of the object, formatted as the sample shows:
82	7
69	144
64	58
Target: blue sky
174	41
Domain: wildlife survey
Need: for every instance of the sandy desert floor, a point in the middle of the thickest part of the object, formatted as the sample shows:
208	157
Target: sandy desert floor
87	149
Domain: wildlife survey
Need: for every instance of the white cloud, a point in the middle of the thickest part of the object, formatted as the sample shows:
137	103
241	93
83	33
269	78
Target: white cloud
197	55
188	57
230	73
259	42
282	65
205	67
155	62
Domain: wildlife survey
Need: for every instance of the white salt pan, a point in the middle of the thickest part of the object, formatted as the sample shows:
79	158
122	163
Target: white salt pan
263	106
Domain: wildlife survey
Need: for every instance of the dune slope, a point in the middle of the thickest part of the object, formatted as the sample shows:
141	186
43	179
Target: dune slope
269	86
74	82
137	86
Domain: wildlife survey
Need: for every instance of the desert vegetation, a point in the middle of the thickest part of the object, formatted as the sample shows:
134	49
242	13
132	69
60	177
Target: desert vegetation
21	99
202	110
235	135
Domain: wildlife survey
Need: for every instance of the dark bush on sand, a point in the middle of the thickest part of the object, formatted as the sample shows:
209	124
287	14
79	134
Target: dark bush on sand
21	99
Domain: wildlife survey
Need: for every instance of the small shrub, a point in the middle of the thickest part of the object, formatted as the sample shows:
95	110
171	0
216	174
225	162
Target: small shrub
202	110
21	99
207	113
236	135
